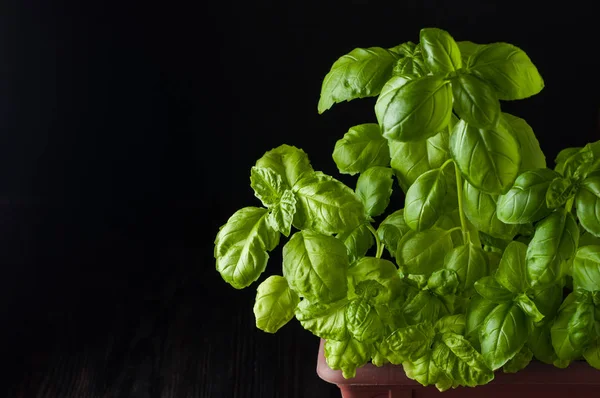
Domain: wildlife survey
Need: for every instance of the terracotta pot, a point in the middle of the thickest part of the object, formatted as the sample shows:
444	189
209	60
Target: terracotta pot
579	380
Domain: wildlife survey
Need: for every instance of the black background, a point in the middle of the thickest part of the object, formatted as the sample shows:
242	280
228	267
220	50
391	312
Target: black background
127	133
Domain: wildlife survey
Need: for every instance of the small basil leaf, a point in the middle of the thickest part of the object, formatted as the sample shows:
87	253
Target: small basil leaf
423	252
554	243
548	299
281	215
315	266
559	191
529	308
392	229
572	329
512	271
479	308
374	188
424	200
413	110
327	321
411	342
481	210
410	66
519	361
475	101
489	159
362	147
426	372
540	343
326	205
275	304
358	241
587	203
490	289
363	322
503	334
532	156
467	48
242	244
586	268
347	355
508	69
440	51
562	157
289	162
470	264
382	271
592	353
443	282
525	202
359	74
268	186
577	165
451	324
425	307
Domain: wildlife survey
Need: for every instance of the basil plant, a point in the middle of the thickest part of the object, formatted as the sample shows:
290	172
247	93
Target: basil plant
492	261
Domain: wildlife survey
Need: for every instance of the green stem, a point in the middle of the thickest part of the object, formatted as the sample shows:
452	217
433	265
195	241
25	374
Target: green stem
379	244
459	190
569	204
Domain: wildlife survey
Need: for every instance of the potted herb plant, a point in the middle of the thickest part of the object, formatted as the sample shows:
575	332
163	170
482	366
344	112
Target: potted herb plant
491	262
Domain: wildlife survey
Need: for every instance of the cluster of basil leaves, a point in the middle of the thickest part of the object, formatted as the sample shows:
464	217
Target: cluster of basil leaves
479	259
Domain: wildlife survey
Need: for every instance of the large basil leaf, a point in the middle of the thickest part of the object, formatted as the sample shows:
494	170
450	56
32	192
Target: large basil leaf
475	101
572	329
503	334
374	188
461	363
477	310
440	51
411	342
540	343
587	203
470	264
467	48
411	159
554	242
423	252
322	320
525	202
359	74
586	268
326	205
413	110
508	69
512	271
392	229
289	162
362	147
424	200
425	307
275	304
451	324
315	266
358	241
426	372
347	355
532	156
480	208
490	289
241	246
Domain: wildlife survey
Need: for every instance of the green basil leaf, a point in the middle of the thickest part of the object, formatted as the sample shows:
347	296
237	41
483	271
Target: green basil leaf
392	229
586	268
490	289
289	162
525	202
440	51
275	304
529	308
326	205
467	49
532	156
242	244
359	74
554	242
512	271
347	355
423	252
411	159
587	203
489	159
480	209
363	322
562	157
410	66
358	241
478	309
327	321
540	343
268	186
374	188
377	269
424	200
587	239
559	191
508	69
461	363
577	165
503	334
413	110
315	266
519	361
548	299
411	342
425	307
281	215
451	324
475	101
592	353
443	282
470	264
426	372
362	147
572	329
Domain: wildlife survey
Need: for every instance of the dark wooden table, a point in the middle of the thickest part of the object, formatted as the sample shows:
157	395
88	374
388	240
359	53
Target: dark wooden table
128	304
